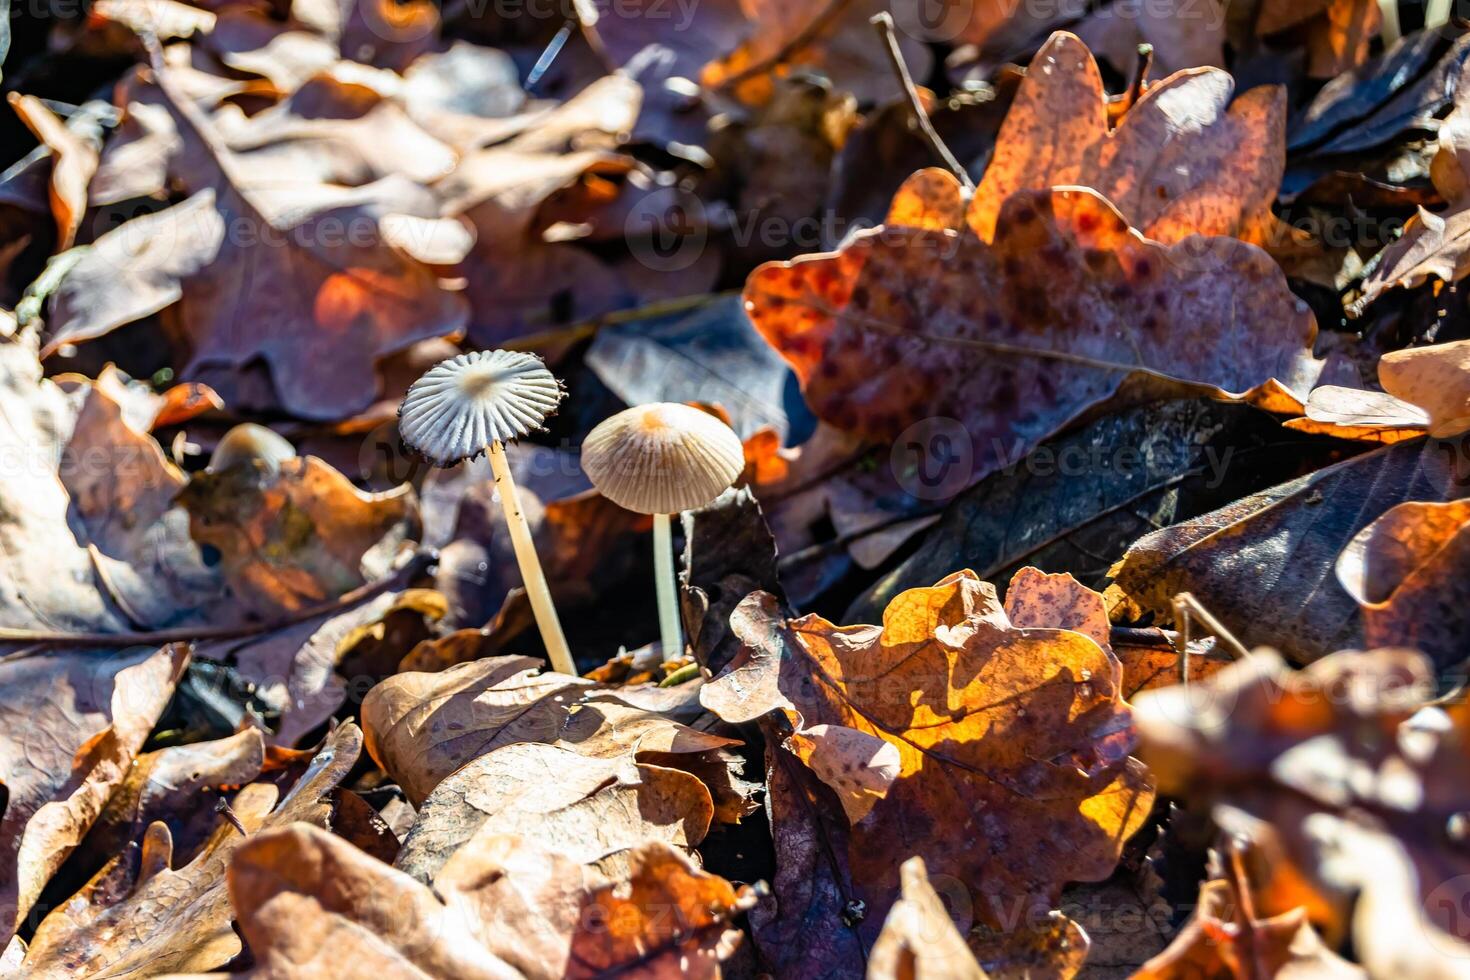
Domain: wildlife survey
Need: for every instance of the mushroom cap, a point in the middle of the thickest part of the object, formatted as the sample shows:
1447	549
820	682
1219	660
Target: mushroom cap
662	458
248	441
462	405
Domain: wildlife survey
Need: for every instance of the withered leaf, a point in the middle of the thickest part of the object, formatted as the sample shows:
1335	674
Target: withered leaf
925	317
297	534
422	727
311	905
918	938
1264	565
1012	740
180	920
295	275
1405	572
594	810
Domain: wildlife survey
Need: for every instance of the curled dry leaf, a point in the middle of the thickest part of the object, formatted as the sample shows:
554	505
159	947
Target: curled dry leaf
918	939
422	727
1339	33
296	534
1012	740
594	810
275	256
313	906
1221	941
1406	572
1436	379
74	161
1264	565
1339	781
70	727
179	920
1185	160
1016	336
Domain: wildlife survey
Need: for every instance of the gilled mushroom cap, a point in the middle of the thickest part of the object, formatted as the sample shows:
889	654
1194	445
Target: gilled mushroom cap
662	458
462	405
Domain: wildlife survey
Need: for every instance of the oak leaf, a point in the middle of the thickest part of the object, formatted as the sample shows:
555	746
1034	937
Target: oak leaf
1010	739
313	906
423	727
918	938
179	920
1015	337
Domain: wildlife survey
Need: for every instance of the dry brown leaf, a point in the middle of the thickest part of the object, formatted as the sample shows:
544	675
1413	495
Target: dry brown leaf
1185	160
422	727
295	275
918	941
299	534
312	906
74	161
594	810
1342	786
1012	740
1015	337
1405	571
70	726
1339	33
1219	942
180	920
1436	379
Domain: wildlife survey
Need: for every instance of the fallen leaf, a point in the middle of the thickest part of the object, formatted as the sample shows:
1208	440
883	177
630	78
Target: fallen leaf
308	902
74	160
299	534
180	920
595	810
1185	159
423	727
71	725
285	256
918	938
990	702
1264	565
1404	570
1434	379
1273	751
923	318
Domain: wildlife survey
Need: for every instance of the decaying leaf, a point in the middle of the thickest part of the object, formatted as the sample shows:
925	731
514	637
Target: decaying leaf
423	727
298	534
918	939
1405	572
1185	160
1009	739
594	810
1014	337
1264	565
311	905
179	920
1342	785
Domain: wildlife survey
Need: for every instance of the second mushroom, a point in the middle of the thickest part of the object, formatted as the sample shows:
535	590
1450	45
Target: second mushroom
662	459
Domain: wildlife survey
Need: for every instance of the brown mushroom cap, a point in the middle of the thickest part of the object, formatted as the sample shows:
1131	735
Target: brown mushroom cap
662	458
462	405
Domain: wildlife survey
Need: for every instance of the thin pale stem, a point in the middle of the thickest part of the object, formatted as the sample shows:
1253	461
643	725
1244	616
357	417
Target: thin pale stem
883	23
535	580
668	592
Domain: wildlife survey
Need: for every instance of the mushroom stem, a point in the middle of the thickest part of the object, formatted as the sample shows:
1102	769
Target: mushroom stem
535	580
670	637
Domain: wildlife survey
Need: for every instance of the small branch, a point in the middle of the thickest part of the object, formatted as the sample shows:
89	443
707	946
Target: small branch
1141	68
222	807
883	23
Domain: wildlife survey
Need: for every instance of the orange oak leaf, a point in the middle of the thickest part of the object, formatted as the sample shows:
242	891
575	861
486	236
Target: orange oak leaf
1016	336
1007	746
1338	32
1406	571
1184	160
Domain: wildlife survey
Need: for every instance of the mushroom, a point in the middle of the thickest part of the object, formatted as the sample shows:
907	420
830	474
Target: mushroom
660	459
476	403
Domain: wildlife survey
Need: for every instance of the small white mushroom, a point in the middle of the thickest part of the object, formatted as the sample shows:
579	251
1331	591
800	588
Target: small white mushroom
248	441
661	459
477	403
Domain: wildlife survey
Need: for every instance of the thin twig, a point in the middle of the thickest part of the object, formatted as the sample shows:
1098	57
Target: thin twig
883	23
783	54
222	807
188	634
1141	68
1187	607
